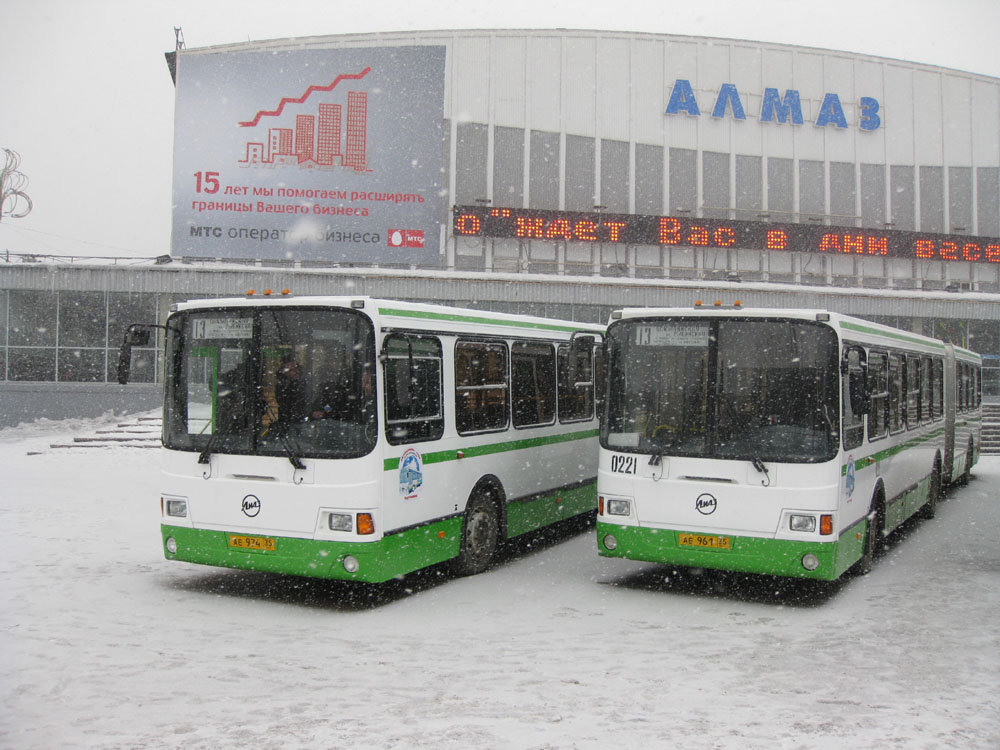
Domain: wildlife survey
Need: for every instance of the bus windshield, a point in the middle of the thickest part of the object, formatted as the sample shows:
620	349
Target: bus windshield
271	381
759	390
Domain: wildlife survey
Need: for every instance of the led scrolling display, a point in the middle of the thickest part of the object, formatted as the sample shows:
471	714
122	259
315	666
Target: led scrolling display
634	229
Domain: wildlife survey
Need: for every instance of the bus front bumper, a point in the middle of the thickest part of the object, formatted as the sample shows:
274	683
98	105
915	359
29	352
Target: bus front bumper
371	562
808	559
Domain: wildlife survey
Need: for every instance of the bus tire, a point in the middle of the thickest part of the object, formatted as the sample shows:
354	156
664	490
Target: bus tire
480	534
929	509
963	478
873	537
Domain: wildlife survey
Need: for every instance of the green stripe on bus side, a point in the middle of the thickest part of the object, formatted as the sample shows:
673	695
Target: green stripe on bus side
892	335
528	515
456	318
391	464
866	461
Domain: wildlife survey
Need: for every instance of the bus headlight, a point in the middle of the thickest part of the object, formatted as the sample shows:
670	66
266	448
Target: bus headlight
610	543
341	522
174	506
618	507
351	564
810	561
805	524
171	545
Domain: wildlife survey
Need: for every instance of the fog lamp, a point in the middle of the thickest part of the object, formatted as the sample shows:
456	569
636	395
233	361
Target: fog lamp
351	564
810	561
171	544
610	543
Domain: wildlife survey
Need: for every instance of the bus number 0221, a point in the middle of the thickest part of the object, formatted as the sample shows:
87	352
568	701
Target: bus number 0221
623	464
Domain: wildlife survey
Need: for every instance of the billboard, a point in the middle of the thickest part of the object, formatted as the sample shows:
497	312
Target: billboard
331	155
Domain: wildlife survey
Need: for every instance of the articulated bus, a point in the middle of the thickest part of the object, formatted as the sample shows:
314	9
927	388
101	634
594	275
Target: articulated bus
359	438
781	442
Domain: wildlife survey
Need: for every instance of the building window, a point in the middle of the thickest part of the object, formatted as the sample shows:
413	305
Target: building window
780	182
715	185
580	193
508	167
903	197
543	175
683	181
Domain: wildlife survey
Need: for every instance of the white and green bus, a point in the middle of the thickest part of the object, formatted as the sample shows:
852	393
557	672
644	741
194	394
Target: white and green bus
782	442
362	439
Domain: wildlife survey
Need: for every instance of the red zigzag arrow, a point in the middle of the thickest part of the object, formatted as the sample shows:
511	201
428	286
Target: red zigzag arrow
306	95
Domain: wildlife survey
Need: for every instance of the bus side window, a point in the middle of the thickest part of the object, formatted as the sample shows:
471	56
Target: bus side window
481	387
855	396
878	394
576	383
897	398
533	383
937	389
912	391
926	389
413	404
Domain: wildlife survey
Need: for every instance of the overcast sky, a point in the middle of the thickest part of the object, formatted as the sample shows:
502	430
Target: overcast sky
87	101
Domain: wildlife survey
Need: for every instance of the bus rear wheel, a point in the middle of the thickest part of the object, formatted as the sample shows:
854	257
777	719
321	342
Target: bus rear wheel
929	510
480	536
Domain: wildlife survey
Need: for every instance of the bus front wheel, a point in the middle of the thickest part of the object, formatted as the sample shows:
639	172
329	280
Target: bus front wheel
480	535
873	538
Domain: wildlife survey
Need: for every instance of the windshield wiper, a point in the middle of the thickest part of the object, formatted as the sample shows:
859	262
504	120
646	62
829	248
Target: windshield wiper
281	430
744	430
205	457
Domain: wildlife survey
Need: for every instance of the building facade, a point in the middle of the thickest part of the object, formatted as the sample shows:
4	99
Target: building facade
585	171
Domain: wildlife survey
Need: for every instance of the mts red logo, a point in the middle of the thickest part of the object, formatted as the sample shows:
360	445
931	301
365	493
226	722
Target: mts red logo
406	238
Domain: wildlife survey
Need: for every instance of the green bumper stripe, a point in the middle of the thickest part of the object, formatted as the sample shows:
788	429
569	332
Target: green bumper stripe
391	464
527	515
379	561
748	554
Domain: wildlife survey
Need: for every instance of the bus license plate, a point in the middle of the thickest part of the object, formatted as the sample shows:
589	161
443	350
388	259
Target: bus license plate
261	543
706	541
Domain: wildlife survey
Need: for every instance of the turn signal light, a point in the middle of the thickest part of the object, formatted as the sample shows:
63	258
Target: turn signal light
366	524
825	525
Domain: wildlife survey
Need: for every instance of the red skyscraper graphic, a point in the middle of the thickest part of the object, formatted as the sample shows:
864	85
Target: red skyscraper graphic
305	136
357	130
328	148
319	138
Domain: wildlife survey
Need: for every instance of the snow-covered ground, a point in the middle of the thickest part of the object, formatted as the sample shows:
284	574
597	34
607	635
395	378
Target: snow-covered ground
103	643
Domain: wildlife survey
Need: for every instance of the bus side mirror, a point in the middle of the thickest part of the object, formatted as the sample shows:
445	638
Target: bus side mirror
134	336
